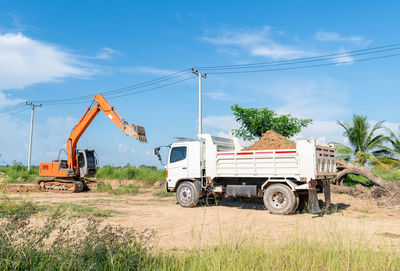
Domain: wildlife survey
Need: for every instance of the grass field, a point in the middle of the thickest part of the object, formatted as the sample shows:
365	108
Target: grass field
57	244
18	173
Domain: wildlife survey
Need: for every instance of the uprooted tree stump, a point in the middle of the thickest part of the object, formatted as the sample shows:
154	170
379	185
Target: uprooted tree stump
385	188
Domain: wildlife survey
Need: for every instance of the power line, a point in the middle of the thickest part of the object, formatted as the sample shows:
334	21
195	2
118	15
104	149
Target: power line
128	94
2	160
88	98
12	108
394	46
154	88
119	90
285	63
306	66
5	115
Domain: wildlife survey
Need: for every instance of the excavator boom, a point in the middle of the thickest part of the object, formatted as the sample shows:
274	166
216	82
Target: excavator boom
82	163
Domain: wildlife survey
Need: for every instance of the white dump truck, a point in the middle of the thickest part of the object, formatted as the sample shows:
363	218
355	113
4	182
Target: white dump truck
217	166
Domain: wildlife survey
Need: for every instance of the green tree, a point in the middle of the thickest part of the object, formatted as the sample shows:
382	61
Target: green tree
254	122
365	144
394	141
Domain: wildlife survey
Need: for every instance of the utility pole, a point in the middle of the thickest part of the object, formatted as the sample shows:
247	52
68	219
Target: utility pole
202	168
200	99
31	134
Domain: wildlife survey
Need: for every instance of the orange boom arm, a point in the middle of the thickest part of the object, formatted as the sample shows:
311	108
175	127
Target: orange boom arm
134	130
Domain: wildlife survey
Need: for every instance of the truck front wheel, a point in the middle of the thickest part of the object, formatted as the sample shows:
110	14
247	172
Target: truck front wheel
187	194
279	199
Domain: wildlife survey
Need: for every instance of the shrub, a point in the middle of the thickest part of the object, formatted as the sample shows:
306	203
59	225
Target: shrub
18	173
148	174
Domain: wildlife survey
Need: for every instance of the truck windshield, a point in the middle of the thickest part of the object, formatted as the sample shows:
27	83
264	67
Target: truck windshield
177	154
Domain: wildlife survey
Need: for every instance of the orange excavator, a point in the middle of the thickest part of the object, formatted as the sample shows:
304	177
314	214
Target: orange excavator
70	174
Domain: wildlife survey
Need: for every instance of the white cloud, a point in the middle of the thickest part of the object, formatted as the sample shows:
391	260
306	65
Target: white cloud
336	37
216	95
146	70
256	42
277	51
394	127
29	61
5	100
330	131
105	53
323	131
225	123
125	148
321	100
239	37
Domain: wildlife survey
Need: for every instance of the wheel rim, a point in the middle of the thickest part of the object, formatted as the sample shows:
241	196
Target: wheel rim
185	194
278	200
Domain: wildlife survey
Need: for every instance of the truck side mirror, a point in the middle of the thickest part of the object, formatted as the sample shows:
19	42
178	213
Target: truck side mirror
157	153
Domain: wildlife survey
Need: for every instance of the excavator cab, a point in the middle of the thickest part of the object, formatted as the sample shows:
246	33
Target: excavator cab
87	163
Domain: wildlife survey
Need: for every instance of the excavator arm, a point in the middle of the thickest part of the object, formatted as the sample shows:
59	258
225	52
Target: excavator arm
99	104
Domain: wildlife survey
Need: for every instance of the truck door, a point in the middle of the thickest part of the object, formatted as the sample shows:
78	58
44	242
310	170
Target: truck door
177	164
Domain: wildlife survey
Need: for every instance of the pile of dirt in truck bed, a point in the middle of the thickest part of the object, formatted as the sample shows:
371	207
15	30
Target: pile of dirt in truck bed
271	140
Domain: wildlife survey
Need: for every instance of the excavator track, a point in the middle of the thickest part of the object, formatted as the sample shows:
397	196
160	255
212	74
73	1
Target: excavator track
62	185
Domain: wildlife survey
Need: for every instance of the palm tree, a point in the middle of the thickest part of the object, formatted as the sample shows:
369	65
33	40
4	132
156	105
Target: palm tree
394	141
364	145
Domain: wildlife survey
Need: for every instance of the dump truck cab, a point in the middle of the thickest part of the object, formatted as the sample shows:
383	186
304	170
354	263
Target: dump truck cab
183	162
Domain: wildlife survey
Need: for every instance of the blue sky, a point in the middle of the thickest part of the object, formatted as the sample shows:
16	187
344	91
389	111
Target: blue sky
54	49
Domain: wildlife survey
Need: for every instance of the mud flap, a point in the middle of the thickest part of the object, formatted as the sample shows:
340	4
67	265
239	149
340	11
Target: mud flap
327	193
313	205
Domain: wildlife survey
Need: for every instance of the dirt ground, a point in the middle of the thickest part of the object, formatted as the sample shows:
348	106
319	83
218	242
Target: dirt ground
175	227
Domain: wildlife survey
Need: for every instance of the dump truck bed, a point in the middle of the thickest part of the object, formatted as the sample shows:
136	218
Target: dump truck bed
309	160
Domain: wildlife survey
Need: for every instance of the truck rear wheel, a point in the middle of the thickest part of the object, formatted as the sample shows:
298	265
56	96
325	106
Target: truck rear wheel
280	199
187	194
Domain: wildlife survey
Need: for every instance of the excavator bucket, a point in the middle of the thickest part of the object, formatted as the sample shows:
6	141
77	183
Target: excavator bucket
136	131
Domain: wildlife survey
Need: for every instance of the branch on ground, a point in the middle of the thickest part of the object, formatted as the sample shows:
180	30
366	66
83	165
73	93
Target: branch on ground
391	188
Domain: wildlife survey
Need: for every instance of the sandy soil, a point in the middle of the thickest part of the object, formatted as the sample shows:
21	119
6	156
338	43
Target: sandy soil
179	228
271	140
